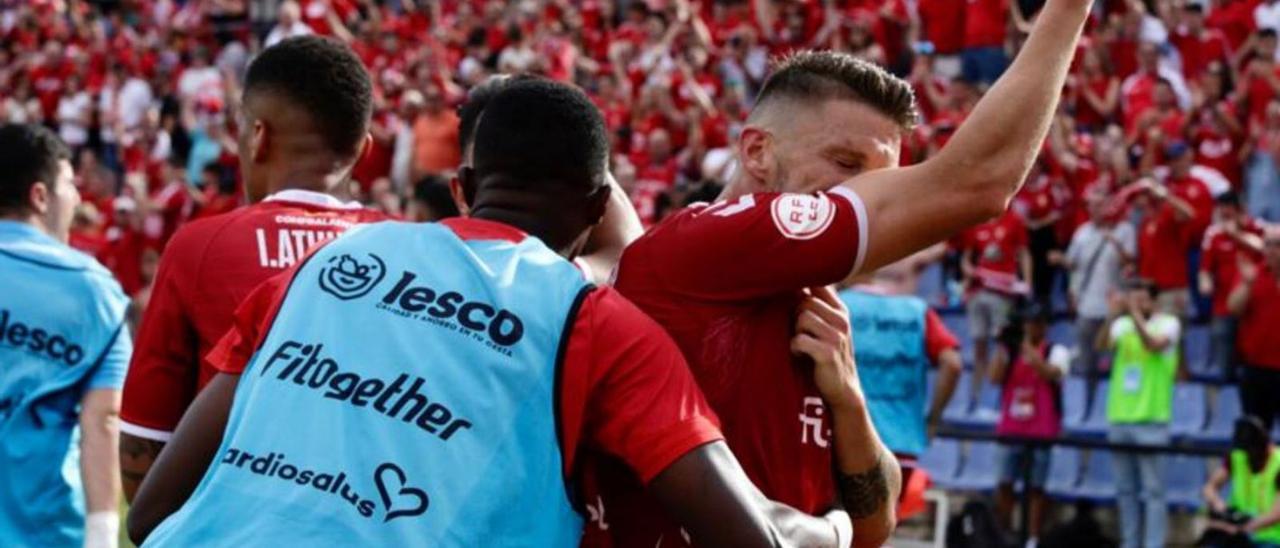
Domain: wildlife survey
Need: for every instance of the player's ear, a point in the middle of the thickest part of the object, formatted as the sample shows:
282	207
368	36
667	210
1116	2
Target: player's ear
597	204
38	198
259	140
462	188
366	147
756	154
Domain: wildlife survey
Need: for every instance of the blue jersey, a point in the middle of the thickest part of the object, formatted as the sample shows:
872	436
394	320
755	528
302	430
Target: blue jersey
62	334
889	347
405	394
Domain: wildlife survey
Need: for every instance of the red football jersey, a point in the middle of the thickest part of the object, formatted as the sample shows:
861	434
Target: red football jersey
1257	341
1162	255
996	246
724	280
1218	258
209	266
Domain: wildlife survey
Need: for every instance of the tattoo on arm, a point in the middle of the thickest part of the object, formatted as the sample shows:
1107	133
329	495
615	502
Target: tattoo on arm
137	455
864	493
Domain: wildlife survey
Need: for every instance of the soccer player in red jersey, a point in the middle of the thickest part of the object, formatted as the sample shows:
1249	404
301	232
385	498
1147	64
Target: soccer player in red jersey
725	279
306	109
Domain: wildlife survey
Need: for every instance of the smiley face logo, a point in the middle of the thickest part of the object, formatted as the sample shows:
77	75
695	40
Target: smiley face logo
346	277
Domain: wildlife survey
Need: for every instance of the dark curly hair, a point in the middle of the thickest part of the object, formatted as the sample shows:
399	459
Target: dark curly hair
323	77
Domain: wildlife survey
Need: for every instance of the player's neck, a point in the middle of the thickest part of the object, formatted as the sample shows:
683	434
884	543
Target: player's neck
737	187
33	220
310	170
320	183
529	222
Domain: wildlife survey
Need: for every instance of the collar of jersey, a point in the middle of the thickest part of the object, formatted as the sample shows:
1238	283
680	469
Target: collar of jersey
311	198
470	228
24	230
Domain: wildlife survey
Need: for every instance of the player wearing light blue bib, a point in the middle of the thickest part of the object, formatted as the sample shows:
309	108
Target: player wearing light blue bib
896	339
63	352
428	394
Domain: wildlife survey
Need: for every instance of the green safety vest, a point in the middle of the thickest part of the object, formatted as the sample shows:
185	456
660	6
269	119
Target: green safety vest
1141	389
1255	494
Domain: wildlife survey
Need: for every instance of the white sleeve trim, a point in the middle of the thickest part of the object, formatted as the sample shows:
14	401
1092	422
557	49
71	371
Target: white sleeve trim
145	433
860	213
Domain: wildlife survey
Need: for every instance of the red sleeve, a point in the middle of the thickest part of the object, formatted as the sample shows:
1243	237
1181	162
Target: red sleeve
627	391
761	244
937	338
250	325
164	369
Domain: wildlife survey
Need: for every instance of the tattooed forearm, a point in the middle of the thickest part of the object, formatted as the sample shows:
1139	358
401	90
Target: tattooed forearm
136	457
864	493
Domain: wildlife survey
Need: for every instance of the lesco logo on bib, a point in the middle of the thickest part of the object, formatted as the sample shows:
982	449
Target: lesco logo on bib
803	216
347	277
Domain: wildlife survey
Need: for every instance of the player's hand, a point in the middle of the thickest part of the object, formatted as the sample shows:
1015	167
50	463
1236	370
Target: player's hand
1217	505
1116	304
1029	351
1133	308
1248	270
822	334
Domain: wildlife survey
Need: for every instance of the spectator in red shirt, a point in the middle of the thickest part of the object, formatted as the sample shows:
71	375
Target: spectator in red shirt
1138	92
1162	250
1040	204
1189	184
942	24
125	243
1256	301
1218	131
1259	79
1234	18
983	56
1096	92
997	268
1160	124
1198	45
1233	235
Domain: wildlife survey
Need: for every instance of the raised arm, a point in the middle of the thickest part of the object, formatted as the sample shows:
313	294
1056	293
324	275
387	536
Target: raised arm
1238	300
980	169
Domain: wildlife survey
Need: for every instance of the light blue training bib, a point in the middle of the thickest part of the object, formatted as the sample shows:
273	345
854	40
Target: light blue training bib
889	347
61	334
405	395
